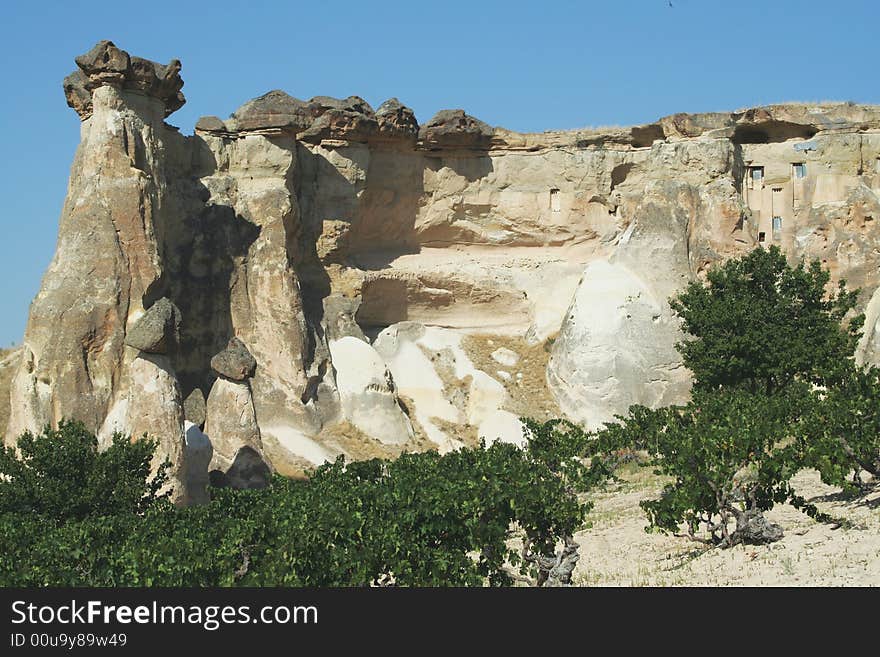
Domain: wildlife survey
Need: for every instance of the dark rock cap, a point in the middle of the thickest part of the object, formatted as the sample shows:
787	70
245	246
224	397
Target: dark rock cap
396	120
455	129
341	124
235	362
105	64
275	109
210	124
157	330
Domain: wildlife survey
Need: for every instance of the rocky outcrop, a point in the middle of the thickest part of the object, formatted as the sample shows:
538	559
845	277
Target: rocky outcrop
109	259
455	129
231	422
157	330
154	409
235	362
107	65
415	286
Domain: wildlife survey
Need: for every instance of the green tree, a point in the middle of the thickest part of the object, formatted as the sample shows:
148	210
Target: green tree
775	390
728	460
839	435
61	474
763	324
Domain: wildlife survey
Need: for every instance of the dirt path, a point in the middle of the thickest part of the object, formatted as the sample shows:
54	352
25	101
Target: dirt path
616	550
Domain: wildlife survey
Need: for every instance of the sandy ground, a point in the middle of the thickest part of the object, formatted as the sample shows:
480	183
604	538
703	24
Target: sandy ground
616	550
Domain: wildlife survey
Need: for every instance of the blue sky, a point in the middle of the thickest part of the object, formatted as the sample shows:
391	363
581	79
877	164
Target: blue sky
525	66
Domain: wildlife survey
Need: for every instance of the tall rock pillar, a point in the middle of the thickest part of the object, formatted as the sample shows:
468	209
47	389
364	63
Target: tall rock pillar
108	260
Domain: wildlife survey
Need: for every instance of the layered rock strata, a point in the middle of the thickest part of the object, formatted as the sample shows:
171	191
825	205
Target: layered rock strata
373	267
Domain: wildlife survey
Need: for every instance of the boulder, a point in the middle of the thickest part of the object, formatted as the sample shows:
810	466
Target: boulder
158	329
248	470
397	121
104	63
351	119
210	124
194	407
275	109
235	362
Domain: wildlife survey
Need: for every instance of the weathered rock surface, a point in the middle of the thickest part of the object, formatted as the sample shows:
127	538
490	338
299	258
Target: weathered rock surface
455	129
108	255
231	426
155	410
157	330
367	392
306	228
9	363
235	362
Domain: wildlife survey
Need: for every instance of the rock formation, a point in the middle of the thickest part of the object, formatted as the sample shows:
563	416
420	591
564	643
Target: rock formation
374	267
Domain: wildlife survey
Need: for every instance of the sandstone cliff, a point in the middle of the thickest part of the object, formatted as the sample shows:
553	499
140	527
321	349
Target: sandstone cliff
403	286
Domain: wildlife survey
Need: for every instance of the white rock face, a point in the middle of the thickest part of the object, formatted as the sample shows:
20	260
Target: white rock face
431	368
615	349
502	426
367	393
295	442
198	457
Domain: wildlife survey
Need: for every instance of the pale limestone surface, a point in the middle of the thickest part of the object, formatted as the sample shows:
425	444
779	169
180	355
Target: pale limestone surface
367	393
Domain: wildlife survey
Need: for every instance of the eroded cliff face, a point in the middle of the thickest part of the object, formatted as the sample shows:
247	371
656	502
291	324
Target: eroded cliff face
410	287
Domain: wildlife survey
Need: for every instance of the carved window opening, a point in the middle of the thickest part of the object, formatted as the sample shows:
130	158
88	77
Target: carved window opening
799	170
555	203
755	177
762	237
777	228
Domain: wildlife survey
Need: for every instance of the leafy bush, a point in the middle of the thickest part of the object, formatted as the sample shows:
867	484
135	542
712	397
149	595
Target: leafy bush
422	519
62	475
839	435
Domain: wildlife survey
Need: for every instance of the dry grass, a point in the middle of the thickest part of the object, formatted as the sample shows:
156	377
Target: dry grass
465	433
528	396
